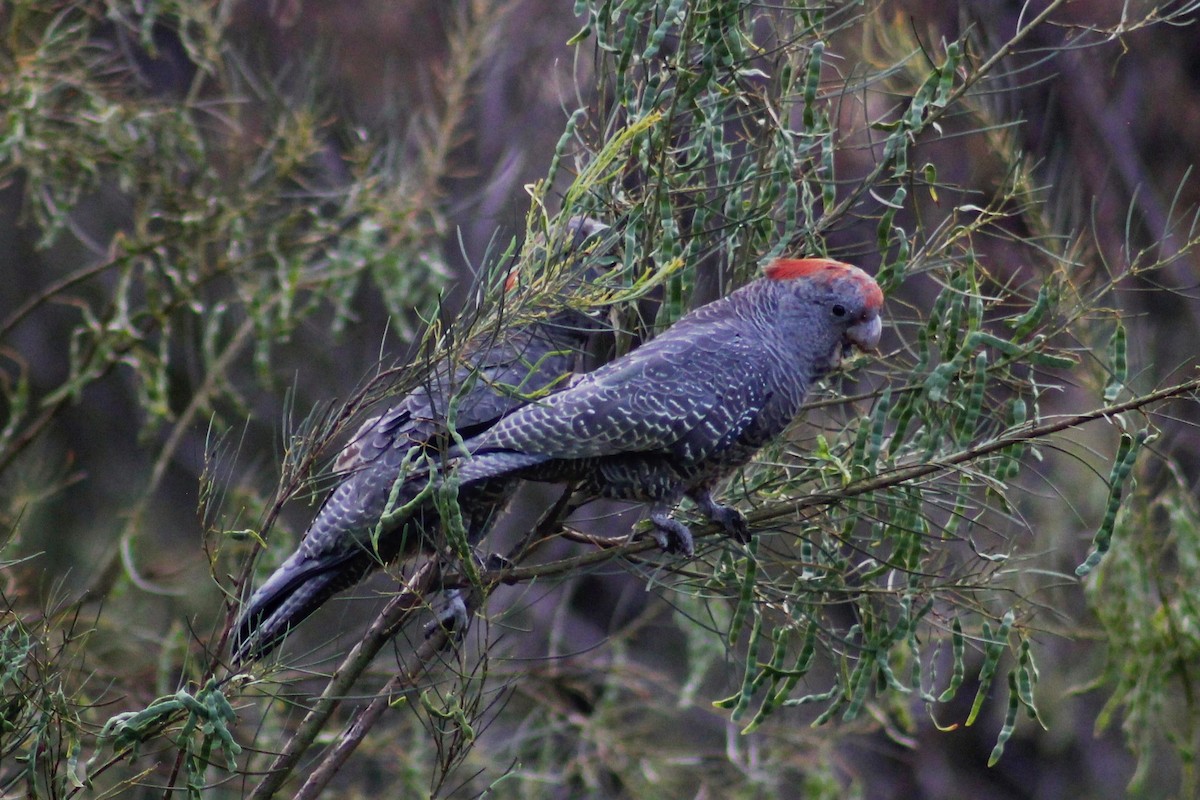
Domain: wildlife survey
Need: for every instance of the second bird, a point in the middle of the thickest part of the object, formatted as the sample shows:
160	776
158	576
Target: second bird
352	533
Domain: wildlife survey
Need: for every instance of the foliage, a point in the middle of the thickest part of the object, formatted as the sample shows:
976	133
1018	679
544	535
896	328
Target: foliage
1143	603
898	569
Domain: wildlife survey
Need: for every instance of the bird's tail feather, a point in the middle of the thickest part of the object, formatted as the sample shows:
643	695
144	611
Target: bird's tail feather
289	596
304	582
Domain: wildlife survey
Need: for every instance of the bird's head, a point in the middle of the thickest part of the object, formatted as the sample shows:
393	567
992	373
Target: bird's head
577	235
563	274
840	298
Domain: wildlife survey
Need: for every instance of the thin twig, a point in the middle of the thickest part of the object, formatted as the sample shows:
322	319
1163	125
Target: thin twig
382	629
53	290
895	477
366	717
864	185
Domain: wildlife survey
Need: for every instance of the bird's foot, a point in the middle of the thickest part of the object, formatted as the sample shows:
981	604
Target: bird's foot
732	521
450	615
671	534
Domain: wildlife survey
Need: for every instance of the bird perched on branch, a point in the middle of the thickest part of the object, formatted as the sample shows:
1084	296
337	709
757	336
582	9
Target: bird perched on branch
358	529
673	417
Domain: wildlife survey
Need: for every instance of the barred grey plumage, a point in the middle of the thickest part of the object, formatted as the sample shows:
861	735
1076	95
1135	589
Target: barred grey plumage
349	536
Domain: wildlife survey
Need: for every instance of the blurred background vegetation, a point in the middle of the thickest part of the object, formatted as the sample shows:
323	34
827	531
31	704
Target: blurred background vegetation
226	228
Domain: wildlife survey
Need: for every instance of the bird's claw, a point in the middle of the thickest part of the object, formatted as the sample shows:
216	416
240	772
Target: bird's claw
733	522
672	535
452	618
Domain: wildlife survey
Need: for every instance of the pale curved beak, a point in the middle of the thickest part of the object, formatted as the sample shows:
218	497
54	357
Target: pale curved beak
865	335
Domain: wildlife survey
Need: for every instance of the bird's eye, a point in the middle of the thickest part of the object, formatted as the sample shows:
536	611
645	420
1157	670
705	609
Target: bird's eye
839	310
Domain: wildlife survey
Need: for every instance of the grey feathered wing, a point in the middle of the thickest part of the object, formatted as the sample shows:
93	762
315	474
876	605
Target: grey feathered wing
641	404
